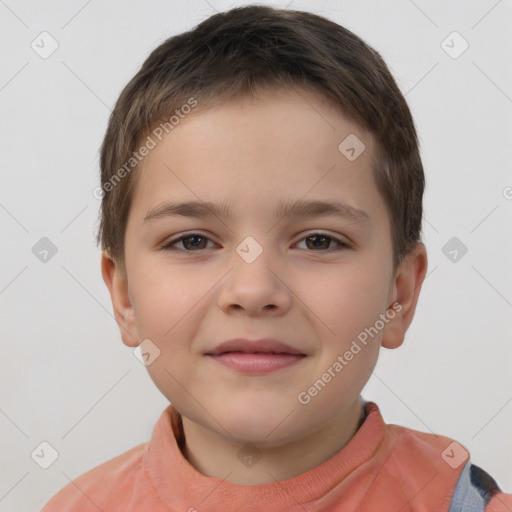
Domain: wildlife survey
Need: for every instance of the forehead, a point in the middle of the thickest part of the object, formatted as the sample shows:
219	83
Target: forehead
257	151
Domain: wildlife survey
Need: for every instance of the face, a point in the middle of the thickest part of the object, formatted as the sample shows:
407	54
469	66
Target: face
312	281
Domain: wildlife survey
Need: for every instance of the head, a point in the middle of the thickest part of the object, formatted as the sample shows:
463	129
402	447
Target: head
255	109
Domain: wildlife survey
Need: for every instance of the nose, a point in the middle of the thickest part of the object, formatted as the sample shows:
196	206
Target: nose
255	286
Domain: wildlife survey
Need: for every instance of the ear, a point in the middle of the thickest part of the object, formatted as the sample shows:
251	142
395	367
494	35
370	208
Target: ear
405	291
115	277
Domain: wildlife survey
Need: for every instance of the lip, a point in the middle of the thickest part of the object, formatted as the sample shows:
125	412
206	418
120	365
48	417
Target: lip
262	362
255	356
261	346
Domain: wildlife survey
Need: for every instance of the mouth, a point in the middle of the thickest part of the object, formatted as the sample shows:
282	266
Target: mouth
261	346
256	362
255	356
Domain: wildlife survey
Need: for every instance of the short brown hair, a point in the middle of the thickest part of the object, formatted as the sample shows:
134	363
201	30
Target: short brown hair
251	48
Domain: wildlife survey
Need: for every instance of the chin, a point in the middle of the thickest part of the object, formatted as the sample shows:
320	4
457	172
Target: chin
263	427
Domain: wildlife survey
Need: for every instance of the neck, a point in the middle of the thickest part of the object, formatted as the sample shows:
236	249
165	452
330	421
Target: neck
216	456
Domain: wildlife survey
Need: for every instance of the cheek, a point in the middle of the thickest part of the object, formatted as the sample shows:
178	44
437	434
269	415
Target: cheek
168	305
347	300
165	300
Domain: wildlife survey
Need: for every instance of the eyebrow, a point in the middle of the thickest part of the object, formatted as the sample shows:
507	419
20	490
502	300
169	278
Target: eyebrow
299	208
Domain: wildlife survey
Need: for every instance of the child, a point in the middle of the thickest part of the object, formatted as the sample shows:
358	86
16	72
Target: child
278	143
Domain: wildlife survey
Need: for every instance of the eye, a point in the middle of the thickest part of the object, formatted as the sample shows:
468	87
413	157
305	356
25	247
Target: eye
193	241
323	240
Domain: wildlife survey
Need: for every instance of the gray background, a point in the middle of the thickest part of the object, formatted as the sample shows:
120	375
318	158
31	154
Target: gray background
66	378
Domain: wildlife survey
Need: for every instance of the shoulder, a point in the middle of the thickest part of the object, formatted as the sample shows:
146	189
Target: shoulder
477	491
470	487
416	447
106	483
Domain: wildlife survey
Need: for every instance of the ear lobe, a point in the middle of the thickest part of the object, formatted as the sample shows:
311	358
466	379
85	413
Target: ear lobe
406	290
114	276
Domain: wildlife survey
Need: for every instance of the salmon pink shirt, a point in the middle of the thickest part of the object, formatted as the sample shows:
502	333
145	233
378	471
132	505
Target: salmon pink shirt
383	468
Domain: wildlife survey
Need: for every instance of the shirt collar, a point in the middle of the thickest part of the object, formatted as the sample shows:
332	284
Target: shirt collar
182	487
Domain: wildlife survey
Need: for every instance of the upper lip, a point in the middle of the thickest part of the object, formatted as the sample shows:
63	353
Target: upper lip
265	345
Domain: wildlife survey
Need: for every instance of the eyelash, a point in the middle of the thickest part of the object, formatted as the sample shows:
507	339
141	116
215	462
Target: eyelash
168	246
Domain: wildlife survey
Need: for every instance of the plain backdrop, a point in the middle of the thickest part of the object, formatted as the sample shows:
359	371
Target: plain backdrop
67	379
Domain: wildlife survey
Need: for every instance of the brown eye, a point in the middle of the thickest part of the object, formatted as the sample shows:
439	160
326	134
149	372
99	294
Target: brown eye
195	242
321	241
190	242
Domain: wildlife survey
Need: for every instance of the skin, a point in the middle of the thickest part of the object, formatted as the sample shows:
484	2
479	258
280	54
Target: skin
251	153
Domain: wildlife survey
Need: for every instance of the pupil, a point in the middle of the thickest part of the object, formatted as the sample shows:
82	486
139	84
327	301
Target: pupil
322	238
195	238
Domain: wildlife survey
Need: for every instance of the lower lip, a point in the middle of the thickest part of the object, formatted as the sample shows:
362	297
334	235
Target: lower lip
256	363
